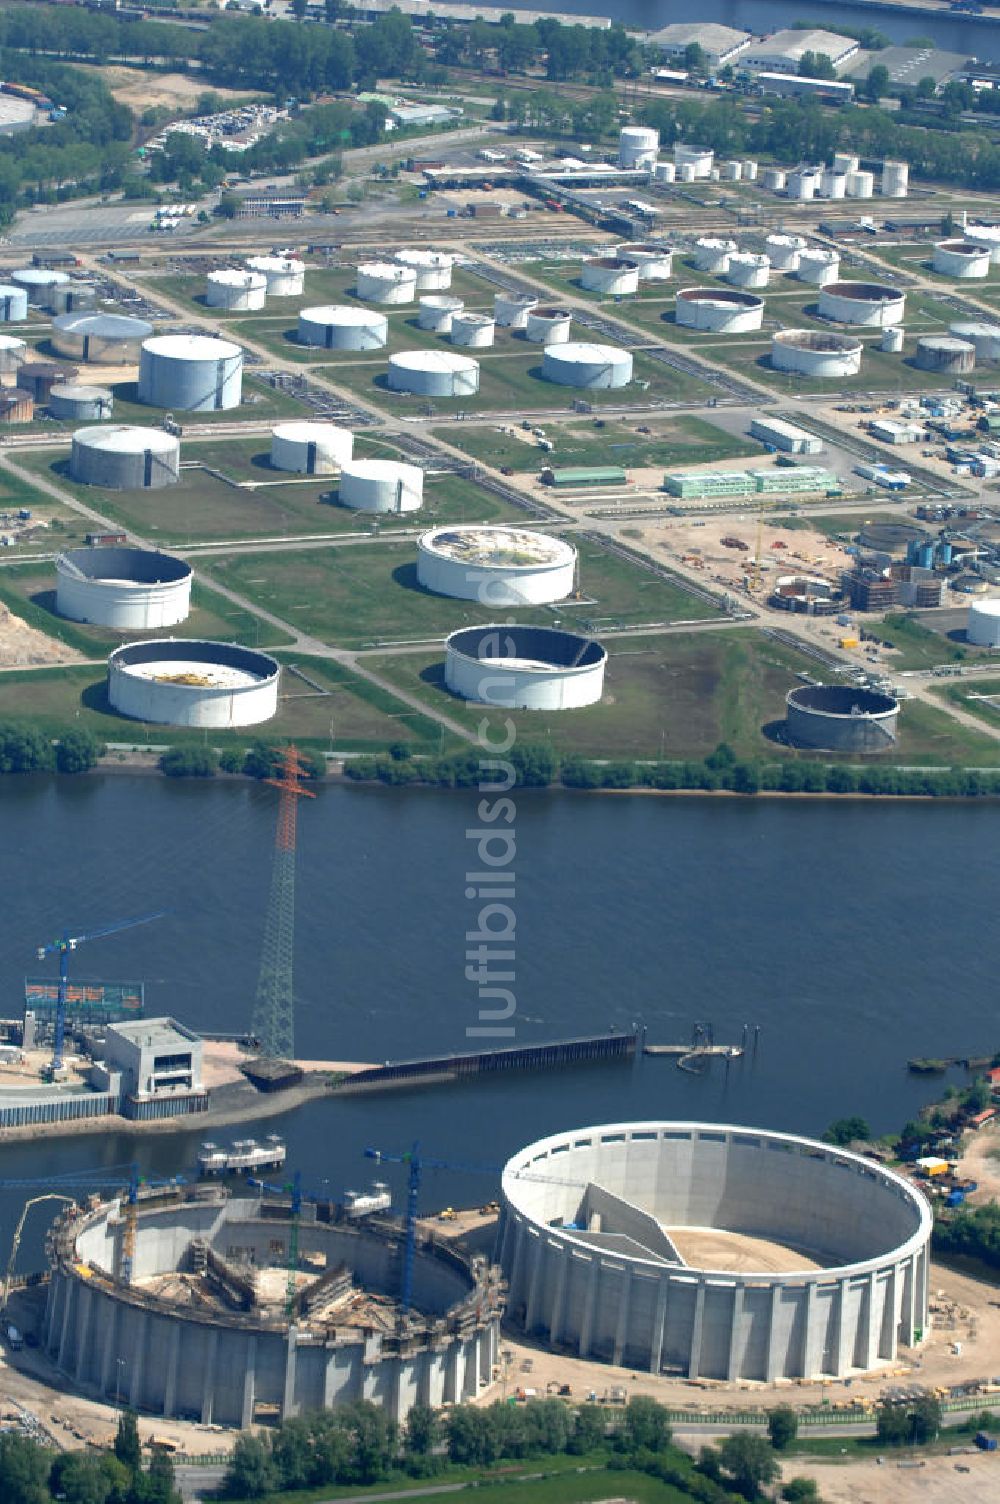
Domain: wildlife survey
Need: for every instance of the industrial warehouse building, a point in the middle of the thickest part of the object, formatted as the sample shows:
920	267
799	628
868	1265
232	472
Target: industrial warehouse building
714	1252
784	51
802	479
720	44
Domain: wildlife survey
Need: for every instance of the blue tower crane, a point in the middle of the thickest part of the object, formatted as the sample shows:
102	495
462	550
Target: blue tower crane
62	948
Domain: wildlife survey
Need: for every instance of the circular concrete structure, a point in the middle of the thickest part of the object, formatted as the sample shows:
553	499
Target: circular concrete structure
716	1252
13	304
712	255
983	623
437	310
477	331
638	146
719	311
983	336
285	275
655	261
199	1330
860	184
73	297
945	353
548	326
381	486
818	267
13	354
120	457
335	327
865	303
841	718
525	668
105	339
611	275
39	377
236	291
986	236
129	589
810	352
497	566
432	268
190	373
895	179
310	448
961	258
804	595
748	270
174	681
386	282
511	309
594	367
73	402
39	283
433	373
784	251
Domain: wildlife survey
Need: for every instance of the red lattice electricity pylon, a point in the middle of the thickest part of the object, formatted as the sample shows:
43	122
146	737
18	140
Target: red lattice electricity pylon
274	1010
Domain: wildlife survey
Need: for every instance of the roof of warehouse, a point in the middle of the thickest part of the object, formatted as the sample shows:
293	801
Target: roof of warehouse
153	1033
708	34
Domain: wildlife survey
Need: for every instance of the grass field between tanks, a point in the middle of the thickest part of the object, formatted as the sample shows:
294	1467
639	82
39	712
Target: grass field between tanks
677	696
366	594
968	695
29	591
323	286
203	507
676	441
918	646
330	705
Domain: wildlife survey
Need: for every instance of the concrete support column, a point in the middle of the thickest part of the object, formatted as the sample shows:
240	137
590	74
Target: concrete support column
694	1354
64	1324
659	1323
136	1372
51	1298
109	1351
208	1377
329	1378
621	1327
83	1335
517	1264
249	1381
737	1335
589	1307
845	1357
870	1338
369	1382
288	1405
537	1258
456	1365
775	1339
173	1367
889	1325
811	1357
472	1362
559	1299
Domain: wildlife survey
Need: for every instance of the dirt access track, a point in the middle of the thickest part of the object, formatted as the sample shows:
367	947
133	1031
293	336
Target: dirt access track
142	90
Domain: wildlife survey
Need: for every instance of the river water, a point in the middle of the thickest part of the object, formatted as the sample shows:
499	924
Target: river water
853	934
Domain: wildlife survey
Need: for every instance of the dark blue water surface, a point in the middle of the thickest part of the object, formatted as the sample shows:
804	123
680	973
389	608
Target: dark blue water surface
854	934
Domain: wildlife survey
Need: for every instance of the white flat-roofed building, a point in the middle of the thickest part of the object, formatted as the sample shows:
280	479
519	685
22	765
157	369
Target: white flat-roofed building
720	44
153	1056
783	52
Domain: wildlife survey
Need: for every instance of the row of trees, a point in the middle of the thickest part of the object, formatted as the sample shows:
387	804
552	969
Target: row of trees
25	750
261	760
538	765
30	1475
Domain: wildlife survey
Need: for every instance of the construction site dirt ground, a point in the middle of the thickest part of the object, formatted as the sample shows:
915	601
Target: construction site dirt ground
142	90
698	541
937	1480
22	646
981	1162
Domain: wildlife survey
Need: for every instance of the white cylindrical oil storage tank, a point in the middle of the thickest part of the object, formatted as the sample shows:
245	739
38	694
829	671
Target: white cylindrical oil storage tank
497	566
190	373
610	275
664	172
987	236
525	668
860	184
386	282
833	184
731	172
475	330
895	179
685	171
129	589
719	310
13	354
285	275
748	270
39	283
596	367
73	402
810	352
845	162
891	342
176	681
73	297
775	179
124	458
437	311
869	303
784	251
714	175
712	255
310	448
433	373
381	486
945	353
985	338
750	171
961	258
655	262
105	339
511	309
13	303
638	146
818	267
802	185
548	326
339	327
982	627
236	291
432	269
